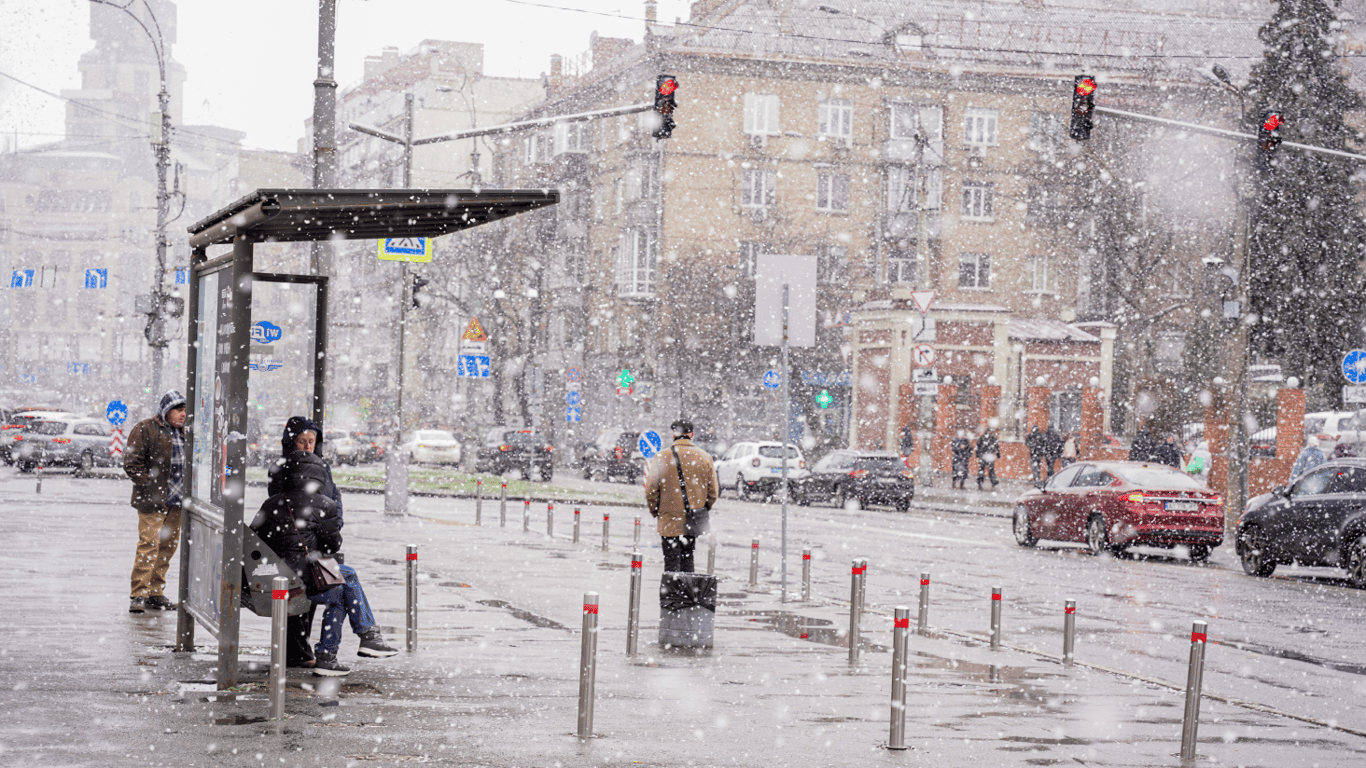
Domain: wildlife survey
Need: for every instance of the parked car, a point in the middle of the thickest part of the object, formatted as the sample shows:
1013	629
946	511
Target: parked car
505	450
757	467
18	420
65	442
1113	505
614	454
869	477
370	448
432	446
339	447
1333	426
1318	520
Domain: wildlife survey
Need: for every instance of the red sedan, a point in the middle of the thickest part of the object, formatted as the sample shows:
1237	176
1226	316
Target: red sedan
1112	505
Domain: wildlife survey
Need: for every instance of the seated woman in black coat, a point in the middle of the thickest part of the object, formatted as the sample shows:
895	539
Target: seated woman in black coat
302	521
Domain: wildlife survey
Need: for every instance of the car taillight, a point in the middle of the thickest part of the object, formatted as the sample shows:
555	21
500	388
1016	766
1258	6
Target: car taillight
504	447
859	474
12	426
755	462
617	452
550	449
1136	498
1217	501
62	440
17	438
801	464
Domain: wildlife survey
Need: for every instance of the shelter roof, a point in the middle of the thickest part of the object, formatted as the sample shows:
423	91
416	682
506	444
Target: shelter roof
298	215
1031	329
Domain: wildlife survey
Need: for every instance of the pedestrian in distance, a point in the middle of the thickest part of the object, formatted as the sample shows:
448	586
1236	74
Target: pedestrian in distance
302	522
1199	464
1069	449
988	449
961	448
1144	445
1311	455
907	444
1034	444
682	480
1052	450
1169	452
155	461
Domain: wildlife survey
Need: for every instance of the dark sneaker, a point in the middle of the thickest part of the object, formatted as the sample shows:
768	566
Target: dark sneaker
326	665
159	603
300	663
137	605
372	644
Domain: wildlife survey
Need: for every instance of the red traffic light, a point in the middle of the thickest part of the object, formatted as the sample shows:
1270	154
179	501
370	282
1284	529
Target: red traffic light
1083	104
668	86
665	87
1273	121
1086	86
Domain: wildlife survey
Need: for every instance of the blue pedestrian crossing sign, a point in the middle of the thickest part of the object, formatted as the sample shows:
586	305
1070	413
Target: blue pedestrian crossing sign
573	413
473	367
1354	366
117	413
417	249
773	380
649	444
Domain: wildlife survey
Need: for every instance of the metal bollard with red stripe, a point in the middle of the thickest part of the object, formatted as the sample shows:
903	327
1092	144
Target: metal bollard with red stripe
588	664
922	622
503	507
754	562
526	515
856	573
711	554
606	530
995	618
1194	681
901	626
412	597
279	619
478	502
806	574
550	520
39	489
576	525
633	606
636	537
1069	631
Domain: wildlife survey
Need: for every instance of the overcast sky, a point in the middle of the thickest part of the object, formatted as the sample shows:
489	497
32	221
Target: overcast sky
250	64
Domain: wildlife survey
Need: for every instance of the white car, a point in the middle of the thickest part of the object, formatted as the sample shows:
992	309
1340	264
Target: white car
1333	427
340	447
432	446
758	467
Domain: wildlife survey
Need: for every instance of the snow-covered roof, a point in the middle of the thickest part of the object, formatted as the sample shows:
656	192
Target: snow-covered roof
1023	329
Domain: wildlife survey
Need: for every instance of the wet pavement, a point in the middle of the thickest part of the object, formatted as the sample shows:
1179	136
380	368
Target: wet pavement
495	678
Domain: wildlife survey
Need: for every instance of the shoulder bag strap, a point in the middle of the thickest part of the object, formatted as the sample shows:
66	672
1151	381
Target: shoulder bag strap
682	483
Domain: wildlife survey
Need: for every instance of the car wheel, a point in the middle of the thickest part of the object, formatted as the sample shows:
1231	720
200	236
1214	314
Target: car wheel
1097	538
547	474
1252	552
87	464
25	466
1200	553
587	473
800	499
1024	532
1356	563
903	505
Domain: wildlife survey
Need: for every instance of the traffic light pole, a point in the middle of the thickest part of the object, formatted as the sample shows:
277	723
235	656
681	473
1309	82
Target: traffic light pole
1222	133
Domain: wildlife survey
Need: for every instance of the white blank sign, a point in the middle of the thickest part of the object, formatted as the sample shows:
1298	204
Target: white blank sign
799	273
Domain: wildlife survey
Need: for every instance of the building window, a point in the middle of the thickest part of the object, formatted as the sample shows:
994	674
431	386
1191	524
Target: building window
749	257
618	195
572	137
906	268
758	188
977	202
1043	274
974	270
97	278
832	264
904	188
1046	130
642	179
1043	206
539	148
909	121
761	114
832	192
979	127
1180	279
835	119
636	263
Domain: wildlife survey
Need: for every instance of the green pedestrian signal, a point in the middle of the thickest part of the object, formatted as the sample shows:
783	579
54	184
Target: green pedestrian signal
625	379
823	399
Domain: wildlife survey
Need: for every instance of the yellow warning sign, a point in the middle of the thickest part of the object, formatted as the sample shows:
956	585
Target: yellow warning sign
474	331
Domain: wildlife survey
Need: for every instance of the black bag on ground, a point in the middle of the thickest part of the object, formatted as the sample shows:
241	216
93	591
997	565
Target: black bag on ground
687	610
687	590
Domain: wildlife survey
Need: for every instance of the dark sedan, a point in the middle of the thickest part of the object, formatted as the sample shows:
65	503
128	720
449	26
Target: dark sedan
1318	520
868	477
505	450
1113	505
614	454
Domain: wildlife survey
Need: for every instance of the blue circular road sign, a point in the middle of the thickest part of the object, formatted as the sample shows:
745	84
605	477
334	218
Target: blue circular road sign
773	380
573	398
1354	366
117	413
650	444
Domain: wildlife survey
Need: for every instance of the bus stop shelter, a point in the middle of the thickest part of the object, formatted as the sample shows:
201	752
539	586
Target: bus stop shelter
223	566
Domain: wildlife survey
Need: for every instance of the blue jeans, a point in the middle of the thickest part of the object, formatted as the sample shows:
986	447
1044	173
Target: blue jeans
345	600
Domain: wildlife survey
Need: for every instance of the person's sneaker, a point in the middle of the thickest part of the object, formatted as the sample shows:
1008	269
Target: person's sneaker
326	665
137	605
372	644
300	663
159	603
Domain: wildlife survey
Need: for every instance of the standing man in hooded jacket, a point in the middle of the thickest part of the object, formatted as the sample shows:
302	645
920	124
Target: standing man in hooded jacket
664	495
155	461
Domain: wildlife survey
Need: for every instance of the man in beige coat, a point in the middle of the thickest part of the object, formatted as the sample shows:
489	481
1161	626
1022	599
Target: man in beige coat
664	497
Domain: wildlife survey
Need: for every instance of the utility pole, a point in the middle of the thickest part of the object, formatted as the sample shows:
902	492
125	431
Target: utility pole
395	461
324	123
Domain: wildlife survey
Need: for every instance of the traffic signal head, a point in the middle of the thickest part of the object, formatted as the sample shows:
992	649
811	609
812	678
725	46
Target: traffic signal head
665	87
1083	104
418	282
1269	130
